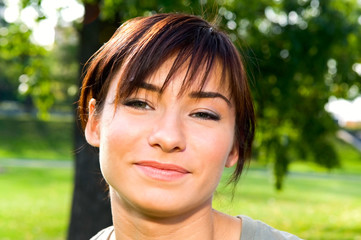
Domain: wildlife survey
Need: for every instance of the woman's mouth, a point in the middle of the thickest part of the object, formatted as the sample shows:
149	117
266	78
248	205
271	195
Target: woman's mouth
161	171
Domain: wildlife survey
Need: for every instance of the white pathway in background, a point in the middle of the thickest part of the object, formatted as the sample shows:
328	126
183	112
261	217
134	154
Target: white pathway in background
36	163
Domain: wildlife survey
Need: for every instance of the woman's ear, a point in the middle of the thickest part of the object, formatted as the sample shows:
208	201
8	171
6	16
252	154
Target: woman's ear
233	156
92	133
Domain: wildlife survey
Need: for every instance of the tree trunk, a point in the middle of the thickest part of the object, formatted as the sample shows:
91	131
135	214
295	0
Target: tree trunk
90	207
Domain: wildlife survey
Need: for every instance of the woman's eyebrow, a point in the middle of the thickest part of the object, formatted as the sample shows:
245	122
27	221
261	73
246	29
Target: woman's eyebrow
197	94
202	94
150	87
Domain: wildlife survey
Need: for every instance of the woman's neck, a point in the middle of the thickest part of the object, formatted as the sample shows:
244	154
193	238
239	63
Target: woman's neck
203	223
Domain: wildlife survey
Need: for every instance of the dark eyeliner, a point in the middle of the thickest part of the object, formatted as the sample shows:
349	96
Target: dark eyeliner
136	103
207	116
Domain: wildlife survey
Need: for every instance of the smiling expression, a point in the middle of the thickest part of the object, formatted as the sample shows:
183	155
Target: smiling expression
163	153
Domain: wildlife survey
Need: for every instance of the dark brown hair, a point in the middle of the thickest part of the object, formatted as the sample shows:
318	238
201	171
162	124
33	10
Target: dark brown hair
141	45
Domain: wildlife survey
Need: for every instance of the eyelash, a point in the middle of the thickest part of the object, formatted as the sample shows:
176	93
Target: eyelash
206	116
137	104
143	105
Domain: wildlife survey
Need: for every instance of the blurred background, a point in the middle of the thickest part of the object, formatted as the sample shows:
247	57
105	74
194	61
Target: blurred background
304	65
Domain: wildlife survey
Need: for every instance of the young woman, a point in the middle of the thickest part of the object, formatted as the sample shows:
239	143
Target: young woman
167	102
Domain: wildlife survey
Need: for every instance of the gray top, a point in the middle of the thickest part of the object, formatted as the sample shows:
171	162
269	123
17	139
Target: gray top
251	230
257	230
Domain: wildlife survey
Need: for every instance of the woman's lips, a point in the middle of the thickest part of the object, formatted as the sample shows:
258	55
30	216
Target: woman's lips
161	171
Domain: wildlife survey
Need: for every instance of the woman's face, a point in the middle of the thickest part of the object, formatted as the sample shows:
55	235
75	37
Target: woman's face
163	154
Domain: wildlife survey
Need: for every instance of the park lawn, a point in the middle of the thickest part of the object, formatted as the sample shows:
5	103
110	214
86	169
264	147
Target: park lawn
315	204
29	138
35	203
312	206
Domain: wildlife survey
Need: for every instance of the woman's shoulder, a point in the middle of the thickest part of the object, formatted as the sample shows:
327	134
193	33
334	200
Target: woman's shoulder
255	229
104	234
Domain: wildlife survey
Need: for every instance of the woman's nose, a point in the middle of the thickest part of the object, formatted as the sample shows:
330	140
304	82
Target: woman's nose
168	133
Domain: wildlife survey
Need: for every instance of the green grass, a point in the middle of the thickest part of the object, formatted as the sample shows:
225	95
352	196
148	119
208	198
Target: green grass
27	138
310	206
34	203
315	204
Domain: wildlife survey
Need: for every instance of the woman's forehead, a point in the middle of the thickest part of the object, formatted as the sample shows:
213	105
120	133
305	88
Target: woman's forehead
216	79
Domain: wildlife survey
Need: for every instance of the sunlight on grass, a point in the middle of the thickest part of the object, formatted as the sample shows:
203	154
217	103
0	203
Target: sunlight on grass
35	203
315	204
312	207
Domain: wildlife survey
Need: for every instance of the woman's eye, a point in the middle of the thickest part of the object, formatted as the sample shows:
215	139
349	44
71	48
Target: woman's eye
138	104
206	116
